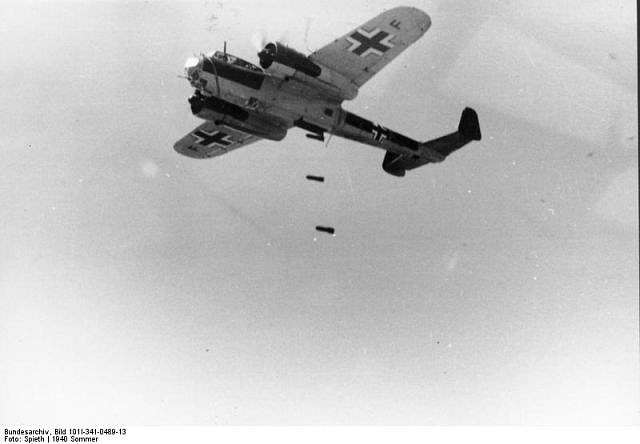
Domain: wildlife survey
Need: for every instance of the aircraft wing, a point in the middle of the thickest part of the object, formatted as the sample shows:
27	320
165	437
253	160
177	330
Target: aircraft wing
361	53
211	140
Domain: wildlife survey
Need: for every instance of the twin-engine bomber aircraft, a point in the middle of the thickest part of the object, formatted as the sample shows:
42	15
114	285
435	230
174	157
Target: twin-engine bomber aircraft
243	103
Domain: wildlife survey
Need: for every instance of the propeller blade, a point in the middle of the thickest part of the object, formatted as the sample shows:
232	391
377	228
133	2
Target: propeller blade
259	39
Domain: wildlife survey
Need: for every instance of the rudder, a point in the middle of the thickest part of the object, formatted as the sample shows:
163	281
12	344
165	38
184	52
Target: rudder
469	125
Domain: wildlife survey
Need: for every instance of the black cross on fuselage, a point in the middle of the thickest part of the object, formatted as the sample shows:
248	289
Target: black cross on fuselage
366	43
379	133
209	139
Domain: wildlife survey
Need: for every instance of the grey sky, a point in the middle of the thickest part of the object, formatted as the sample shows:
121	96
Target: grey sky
141	287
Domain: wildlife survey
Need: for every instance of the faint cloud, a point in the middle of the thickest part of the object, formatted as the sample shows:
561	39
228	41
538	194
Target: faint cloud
240	214
453	261
552	91
149	169
619	201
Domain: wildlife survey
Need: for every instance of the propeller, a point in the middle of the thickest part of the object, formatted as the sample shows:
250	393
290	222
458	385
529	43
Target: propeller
259	39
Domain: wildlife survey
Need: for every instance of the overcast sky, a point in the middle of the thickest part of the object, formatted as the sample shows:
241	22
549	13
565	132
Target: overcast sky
141	287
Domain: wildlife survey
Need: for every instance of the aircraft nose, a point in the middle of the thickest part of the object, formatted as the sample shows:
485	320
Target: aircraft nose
191	65
191	62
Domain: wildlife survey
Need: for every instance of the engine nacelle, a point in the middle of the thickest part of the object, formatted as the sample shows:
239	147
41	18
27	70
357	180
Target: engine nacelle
291	64
227	113
279	53
200	103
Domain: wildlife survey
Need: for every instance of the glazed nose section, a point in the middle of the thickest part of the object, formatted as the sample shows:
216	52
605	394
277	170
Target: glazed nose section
191	66
192	62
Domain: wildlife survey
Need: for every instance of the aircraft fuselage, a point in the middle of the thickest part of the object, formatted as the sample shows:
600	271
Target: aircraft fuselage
276	103
242	102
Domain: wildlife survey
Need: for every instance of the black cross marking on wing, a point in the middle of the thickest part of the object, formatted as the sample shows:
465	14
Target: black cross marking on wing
365	42
215	138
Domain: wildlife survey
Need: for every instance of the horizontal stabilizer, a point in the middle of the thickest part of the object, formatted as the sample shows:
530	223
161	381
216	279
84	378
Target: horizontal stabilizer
435	150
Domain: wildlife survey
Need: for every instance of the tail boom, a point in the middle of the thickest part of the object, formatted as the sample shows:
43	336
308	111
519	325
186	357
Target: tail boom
404	153
436	150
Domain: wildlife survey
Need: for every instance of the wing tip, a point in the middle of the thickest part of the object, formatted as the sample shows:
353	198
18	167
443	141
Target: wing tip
189	151
421	19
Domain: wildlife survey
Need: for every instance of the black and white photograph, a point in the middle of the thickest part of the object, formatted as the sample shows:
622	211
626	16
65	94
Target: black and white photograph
317	213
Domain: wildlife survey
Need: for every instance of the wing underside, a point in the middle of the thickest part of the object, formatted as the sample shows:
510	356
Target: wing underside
211	140
361	53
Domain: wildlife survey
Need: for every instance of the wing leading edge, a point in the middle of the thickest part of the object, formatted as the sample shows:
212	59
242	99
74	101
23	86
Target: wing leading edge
363	52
